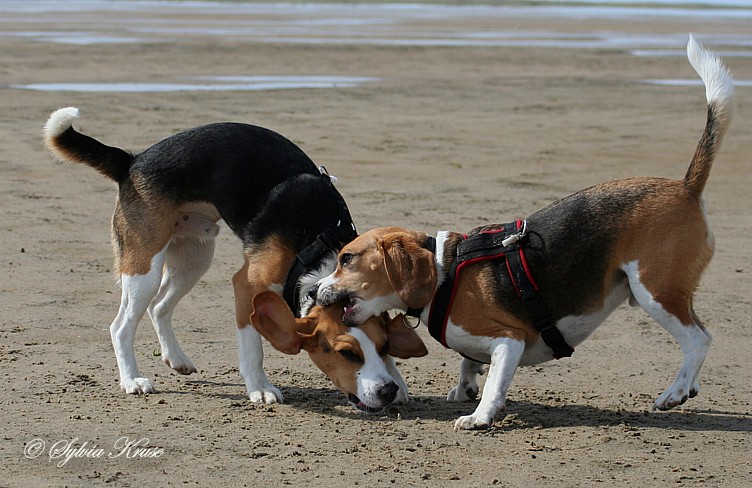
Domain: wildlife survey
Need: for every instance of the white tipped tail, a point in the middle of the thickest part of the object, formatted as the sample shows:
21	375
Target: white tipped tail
719	85
60	121
70	146
719	91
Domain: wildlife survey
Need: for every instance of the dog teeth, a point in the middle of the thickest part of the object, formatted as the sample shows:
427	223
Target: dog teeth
346	311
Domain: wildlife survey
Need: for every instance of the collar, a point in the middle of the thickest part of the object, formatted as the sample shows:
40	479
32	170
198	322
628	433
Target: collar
330	240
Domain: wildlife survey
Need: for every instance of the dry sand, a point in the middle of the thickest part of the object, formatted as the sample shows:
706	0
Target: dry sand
447	138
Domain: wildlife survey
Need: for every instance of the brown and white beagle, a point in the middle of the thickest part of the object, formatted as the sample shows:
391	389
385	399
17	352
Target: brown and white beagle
285	210
358	360
645	240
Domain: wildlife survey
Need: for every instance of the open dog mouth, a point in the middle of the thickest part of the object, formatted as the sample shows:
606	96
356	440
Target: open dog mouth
348	310
355	402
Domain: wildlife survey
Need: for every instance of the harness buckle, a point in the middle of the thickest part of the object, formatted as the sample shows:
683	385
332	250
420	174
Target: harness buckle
514	238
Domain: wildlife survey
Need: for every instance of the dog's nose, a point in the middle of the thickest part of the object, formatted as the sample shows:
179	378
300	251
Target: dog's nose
313	291
388	392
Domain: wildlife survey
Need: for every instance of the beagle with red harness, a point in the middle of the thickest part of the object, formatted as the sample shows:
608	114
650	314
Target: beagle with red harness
287	213
529	291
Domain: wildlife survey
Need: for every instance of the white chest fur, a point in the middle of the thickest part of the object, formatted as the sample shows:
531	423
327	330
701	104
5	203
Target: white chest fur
574	328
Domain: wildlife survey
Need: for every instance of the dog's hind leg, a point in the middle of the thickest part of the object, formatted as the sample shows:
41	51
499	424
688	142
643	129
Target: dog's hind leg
138	290
695	388
186	261
694	341
673	311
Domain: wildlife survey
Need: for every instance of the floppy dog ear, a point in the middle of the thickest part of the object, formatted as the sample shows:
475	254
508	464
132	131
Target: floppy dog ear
404	342
273	319
410	268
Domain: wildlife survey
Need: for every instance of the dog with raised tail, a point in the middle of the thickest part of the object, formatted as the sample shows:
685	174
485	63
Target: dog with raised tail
291	221
530	291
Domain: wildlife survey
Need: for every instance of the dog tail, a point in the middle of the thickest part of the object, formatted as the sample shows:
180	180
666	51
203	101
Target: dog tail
70	146
719	91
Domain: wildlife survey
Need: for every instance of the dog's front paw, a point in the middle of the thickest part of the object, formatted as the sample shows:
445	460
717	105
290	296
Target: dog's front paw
462	393
472	422
136	386
269	394
179	362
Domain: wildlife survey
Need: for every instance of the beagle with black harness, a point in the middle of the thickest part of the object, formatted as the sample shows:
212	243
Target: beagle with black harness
533	290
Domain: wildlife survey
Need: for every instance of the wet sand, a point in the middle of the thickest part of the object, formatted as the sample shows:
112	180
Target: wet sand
447	135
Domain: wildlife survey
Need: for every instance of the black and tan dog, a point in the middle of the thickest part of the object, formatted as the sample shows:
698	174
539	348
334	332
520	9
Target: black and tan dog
290	218
528	295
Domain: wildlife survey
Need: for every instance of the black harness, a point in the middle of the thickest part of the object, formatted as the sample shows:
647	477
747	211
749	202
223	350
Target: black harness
505	244
308	259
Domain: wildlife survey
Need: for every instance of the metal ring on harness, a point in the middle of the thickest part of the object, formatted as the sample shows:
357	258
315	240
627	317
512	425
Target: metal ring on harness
407	324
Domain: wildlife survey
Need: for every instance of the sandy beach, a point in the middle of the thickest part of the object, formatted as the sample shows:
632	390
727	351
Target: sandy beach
433	118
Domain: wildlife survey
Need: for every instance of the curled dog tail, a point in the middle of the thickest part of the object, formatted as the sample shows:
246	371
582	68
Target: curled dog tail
70	146
719	91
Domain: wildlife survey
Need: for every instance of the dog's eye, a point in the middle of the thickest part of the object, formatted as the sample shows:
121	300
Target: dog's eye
350	355
345	259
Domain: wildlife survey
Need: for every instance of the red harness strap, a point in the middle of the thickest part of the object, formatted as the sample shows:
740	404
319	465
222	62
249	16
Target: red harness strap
503	243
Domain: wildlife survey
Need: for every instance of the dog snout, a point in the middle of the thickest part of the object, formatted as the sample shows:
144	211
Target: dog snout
388	392
325	296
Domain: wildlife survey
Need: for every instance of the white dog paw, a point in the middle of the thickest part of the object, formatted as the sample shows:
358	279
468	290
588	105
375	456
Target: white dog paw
179	362
674	397
472	422
268	395
137	386
462	394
